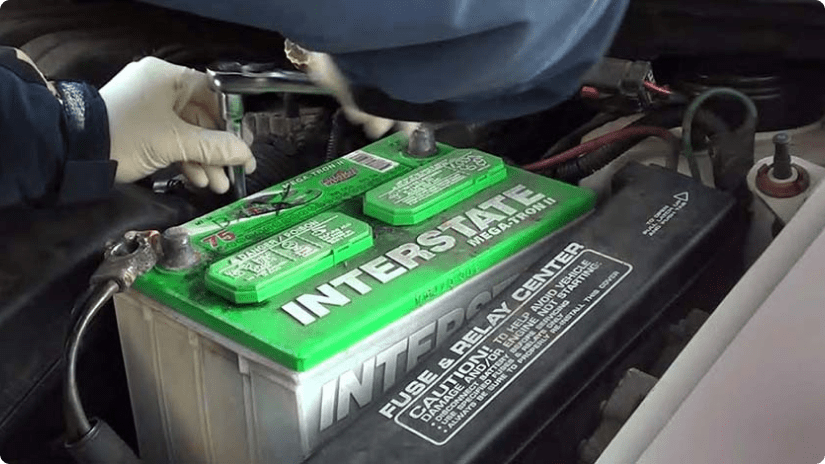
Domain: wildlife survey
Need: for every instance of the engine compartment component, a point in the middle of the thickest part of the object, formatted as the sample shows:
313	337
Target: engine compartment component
313	296
785	201
495	384
631	390
770	54
92	441
777	297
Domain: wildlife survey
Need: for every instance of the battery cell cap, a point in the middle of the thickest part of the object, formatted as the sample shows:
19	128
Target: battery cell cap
433	188
271	266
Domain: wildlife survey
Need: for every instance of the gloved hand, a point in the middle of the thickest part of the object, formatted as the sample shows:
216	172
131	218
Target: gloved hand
159	114
324	72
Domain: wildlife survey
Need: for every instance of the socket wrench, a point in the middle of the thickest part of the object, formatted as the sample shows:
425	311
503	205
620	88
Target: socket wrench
234	80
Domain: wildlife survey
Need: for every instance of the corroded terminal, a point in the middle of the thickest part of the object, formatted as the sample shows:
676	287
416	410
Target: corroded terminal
178	253
422	142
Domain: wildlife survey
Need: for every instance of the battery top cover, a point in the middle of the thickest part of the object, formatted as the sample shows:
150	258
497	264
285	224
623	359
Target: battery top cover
433	188
310	267
276	264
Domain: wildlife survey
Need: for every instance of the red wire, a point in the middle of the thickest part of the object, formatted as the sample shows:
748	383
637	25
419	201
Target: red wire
590	93
656	88
607	139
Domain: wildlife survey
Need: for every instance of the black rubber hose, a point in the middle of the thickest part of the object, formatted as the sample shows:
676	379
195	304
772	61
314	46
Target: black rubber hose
77	424
579	168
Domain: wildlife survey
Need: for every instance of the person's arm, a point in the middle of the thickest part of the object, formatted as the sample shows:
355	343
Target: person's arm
470	60
54	139
64	142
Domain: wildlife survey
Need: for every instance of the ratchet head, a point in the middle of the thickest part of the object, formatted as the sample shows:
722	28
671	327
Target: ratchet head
233	80
259	78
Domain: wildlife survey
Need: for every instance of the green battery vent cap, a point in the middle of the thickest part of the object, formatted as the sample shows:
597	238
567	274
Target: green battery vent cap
267	268
433	188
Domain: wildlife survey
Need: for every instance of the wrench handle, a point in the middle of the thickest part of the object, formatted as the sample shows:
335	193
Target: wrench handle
232	108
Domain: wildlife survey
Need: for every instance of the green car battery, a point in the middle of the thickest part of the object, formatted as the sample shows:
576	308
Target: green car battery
316	295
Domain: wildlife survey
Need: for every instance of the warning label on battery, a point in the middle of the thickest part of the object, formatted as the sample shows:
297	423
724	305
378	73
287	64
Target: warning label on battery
486	360
426	182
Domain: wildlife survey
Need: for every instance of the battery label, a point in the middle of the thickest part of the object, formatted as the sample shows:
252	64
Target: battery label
431	189
426	182
487	359
371	161
298	245
270	266
665	214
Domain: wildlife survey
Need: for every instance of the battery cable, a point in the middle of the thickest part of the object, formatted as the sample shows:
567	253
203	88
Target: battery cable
77	424
93	441
607	139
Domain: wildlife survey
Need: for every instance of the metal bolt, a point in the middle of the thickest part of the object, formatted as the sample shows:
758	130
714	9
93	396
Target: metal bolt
178	253
782	157
422	142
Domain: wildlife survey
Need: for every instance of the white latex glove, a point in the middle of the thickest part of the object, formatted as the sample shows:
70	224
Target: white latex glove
322	69
159	114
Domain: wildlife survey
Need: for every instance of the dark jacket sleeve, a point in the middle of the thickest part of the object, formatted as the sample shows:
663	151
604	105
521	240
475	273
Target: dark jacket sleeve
54	137
471	60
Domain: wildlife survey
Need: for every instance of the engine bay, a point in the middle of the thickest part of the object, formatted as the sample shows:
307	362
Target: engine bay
502	291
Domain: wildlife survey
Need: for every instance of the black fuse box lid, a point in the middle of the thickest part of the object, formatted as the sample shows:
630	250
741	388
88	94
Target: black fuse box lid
488	389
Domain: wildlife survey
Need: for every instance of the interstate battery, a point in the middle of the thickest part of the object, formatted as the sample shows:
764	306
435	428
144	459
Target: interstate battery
495	383
314	296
